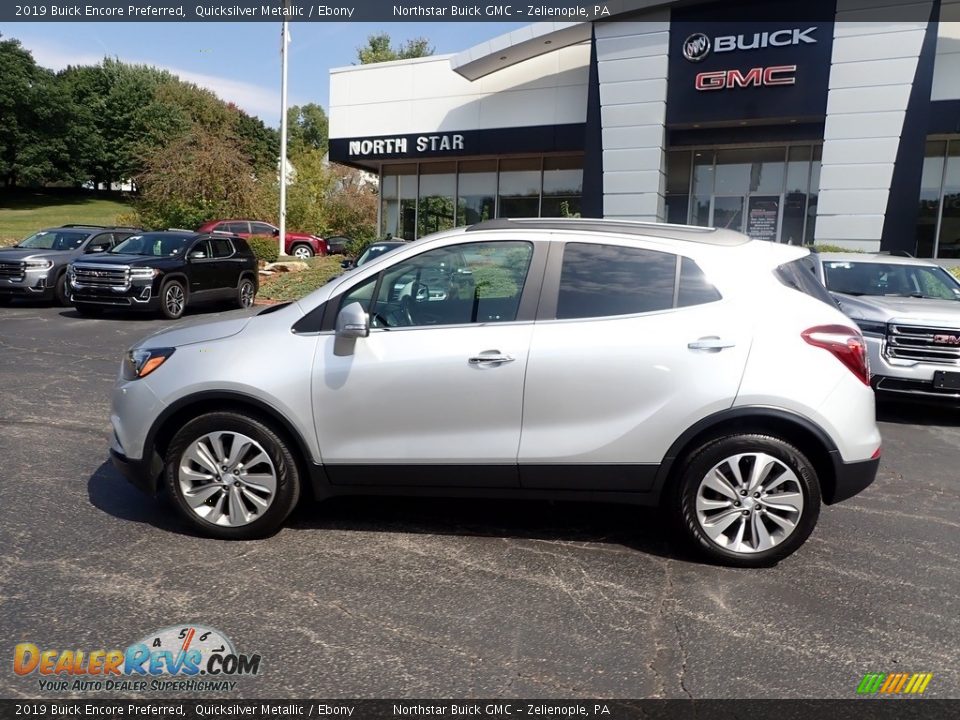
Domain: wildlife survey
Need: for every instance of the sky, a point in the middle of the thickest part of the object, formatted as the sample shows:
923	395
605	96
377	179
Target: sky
240	62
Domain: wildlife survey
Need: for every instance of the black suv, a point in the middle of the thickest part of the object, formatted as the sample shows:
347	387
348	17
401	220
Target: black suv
35	268
164	271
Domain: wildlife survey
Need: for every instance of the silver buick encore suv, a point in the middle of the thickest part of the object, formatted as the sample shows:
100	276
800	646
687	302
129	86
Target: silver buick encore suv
565	359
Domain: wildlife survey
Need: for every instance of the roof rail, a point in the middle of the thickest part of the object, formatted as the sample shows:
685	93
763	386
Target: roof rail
692	233
180	230
82	225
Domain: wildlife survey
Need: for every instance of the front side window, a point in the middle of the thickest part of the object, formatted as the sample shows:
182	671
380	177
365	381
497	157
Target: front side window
238	228
156	244
259	228
454	285
608	280
101	243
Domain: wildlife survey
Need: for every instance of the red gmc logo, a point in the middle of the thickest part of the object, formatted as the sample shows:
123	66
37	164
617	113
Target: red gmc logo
947	339
756	77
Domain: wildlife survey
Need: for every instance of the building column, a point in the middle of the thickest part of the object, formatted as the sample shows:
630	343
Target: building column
632	64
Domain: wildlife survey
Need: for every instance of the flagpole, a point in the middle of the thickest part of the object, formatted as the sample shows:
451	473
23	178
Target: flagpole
284	43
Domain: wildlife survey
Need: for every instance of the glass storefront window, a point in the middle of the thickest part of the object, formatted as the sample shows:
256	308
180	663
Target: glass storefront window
519	190
562	187
476	191
814	194
398	201
677	198
931	183
435	209
795	195
948	245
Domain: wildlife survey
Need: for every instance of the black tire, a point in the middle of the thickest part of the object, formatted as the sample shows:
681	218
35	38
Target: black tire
710	456
60	291
87	310
305	251
276	447
169	306
246	293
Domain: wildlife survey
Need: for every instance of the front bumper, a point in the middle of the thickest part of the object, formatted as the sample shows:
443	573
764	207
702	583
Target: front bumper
143	474
30	287
142	299
850	479
909	380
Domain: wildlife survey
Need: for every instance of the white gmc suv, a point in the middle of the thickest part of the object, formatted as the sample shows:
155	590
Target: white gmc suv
568	359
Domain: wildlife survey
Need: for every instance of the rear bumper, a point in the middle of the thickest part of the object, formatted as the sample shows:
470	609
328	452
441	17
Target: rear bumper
142	474
850	479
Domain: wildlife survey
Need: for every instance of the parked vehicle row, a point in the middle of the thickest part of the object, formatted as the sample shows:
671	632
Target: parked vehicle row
544	358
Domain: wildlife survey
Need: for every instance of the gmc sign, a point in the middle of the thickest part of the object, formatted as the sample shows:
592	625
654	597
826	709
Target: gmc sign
755	77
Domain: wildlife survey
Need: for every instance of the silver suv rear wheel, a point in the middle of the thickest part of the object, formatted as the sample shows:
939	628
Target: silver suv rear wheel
748	500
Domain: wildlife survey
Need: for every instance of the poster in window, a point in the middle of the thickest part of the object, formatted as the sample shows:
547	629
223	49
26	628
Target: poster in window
762	216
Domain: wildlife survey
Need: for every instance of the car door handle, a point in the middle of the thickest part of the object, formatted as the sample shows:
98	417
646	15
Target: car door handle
495	357
710	344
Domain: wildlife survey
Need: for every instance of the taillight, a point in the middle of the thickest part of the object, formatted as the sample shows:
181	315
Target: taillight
845	343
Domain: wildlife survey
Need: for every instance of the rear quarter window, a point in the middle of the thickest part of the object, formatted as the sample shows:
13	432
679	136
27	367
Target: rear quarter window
800	275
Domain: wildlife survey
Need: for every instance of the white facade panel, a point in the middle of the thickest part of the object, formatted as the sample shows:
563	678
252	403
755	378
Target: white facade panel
638	114
844	177
877	46
946	76
860	151
896	71
832	228
627	69
633	182
633	136
618	48
868	99
637	159
623	93
839	202
864	125
635	206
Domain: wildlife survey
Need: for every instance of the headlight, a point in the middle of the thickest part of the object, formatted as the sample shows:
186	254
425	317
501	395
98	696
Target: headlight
39	264
141	362
871	327
143	273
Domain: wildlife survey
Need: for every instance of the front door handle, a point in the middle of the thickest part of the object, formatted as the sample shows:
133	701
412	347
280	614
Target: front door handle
490	357
711	343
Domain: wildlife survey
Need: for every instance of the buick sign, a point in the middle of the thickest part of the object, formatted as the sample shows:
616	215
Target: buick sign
696	47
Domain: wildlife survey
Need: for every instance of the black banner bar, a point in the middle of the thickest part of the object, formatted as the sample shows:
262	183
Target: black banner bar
575	709
389	11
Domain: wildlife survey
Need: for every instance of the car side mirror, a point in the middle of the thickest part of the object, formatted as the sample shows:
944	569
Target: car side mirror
276	232
353	322
346	264
197	255
97	249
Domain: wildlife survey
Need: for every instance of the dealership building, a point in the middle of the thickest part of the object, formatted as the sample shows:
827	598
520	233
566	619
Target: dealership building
827	121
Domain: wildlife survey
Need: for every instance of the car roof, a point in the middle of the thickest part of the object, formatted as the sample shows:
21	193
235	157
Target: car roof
689	233
875	258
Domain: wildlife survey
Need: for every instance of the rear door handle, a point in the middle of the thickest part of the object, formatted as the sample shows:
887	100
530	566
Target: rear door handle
490	357
711	343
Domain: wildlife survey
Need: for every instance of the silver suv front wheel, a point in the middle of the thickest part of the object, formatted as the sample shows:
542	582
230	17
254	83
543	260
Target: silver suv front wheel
748	500
232	476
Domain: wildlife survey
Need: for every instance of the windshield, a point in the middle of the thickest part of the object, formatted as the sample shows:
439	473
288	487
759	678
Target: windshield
55	240
155	244
373	252
890	279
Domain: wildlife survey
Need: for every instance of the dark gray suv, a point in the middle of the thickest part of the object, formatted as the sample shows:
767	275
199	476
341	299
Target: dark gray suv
35	268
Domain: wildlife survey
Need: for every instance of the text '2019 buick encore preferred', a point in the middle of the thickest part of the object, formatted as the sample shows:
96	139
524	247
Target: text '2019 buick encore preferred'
564	359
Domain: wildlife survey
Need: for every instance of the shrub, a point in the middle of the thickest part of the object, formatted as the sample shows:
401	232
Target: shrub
265	247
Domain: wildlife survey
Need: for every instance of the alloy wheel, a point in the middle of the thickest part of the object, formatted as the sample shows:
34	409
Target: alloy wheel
227	478
173	300
246	294
302	252
749	502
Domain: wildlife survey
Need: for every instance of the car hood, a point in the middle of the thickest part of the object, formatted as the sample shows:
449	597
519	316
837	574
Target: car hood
18	254
124	259
181	335
916	311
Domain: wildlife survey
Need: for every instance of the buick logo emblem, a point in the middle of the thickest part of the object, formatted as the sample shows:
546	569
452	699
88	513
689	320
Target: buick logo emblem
696	47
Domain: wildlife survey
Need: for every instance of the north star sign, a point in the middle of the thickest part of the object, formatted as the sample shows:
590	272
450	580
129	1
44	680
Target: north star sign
401	145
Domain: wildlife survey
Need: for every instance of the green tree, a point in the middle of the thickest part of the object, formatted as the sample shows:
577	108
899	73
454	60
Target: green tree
199	176
378	49
36	121
307	128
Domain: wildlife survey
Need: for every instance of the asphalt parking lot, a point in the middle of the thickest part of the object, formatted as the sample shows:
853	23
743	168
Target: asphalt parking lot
412	598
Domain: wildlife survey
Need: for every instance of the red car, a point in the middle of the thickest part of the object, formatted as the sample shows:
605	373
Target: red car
298	244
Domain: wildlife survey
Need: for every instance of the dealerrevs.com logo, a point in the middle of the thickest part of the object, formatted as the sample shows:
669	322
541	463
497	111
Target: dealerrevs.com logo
178	658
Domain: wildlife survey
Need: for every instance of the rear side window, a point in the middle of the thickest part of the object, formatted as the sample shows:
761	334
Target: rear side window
799	276
605	280
222	247
694	288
